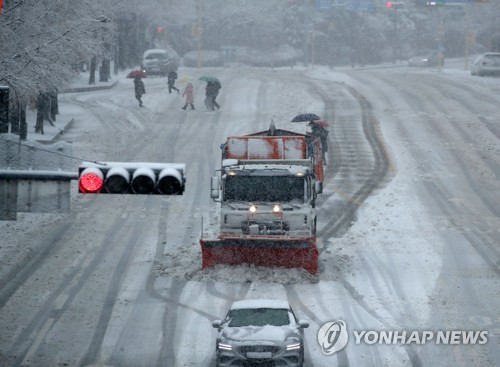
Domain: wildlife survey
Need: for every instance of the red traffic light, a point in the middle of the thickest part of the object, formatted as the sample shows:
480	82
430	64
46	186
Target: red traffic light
394	4
132	178
91	180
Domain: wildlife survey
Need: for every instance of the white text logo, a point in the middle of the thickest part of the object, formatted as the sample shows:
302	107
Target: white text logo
333	336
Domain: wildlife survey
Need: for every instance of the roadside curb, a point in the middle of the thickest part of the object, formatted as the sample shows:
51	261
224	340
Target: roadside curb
63	130
77	90
89	88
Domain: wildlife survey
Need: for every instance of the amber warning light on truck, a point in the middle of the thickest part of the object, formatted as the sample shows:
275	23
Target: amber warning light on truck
139	178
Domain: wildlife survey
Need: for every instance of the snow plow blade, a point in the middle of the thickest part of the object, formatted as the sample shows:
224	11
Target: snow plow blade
263	251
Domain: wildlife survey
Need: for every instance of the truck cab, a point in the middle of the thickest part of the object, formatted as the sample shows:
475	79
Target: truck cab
266	198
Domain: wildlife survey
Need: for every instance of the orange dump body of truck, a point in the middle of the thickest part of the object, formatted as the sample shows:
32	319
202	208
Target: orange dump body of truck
283	144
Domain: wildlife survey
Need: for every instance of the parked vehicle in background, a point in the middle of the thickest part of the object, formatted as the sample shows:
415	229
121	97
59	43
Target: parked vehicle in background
160	61
486	64
426	58
262	333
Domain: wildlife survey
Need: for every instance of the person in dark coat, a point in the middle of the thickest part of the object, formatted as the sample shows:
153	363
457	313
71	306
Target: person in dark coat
216	87
139	89
208	97
212	91
322	133
172	76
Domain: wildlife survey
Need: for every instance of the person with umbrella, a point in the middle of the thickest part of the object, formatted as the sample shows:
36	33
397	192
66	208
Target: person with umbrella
318	130
214	92
211	92
139	89
172	76
208	97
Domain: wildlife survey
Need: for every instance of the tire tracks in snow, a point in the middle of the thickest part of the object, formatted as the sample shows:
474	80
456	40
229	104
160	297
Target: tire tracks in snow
366	185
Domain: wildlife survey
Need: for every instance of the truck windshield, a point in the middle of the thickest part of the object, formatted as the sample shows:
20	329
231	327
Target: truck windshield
264	188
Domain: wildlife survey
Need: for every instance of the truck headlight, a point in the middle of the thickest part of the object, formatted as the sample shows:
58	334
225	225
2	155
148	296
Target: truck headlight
252	209
276	208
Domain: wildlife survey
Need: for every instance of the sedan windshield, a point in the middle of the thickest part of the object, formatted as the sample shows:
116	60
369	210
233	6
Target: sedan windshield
264	188
258	317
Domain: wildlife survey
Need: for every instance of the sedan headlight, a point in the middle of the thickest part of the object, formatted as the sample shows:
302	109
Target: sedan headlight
293	346
224	346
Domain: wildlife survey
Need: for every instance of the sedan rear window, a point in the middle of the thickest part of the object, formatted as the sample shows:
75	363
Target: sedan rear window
160	56
492	59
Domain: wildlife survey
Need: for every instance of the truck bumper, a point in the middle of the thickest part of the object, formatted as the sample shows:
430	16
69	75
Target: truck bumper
289	252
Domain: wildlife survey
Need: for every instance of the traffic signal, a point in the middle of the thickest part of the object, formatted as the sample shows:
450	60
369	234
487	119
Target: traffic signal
141	178
394	4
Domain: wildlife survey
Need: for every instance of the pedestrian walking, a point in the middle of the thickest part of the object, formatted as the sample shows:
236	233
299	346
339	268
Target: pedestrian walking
139	89
212	91
319	131
172	76
217	87
208	97
188	93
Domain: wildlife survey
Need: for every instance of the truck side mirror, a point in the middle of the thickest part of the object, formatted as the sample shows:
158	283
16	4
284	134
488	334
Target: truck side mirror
318	187
214	188
217	324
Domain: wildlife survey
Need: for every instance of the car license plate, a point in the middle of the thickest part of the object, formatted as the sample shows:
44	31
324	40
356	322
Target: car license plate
259	355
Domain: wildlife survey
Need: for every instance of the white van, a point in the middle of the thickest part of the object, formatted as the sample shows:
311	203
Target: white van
160	61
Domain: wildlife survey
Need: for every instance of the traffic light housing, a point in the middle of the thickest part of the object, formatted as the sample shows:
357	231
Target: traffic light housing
394	4
139	178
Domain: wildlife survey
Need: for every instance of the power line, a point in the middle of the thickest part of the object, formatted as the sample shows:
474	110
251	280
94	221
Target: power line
56	153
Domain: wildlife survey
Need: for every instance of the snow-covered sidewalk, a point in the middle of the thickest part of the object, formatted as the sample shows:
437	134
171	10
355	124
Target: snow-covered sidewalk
65	118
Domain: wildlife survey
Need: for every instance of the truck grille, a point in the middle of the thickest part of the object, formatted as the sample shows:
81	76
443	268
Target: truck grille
275	227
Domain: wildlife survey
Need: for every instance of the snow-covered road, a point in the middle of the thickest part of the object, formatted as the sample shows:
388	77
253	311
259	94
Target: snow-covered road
409	224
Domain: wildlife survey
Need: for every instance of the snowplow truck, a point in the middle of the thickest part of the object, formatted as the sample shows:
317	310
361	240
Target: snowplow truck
266	188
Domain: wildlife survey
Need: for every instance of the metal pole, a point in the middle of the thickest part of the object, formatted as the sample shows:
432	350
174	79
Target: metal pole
199	31
467	39
313	49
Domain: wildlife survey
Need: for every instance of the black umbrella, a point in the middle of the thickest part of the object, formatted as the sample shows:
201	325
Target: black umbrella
302	117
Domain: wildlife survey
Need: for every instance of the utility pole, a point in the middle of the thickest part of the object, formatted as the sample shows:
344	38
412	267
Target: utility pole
199	31
468	39
312	47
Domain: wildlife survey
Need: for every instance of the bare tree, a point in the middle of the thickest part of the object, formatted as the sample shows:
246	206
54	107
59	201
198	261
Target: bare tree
42	40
